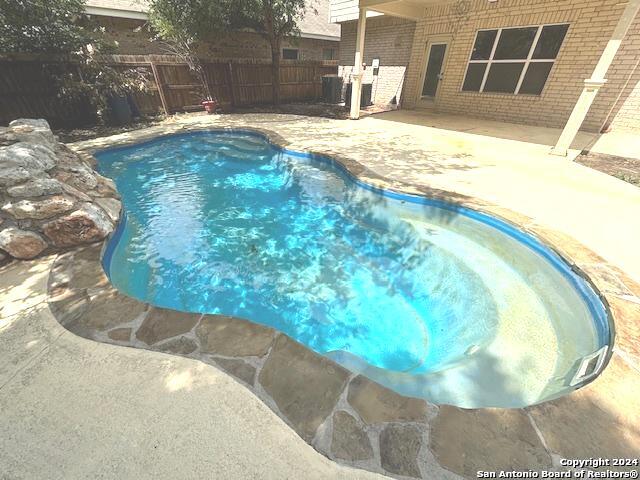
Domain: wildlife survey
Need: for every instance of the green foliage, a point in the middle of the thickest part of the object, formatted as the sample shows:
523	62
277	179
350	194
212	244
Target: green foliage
273	18
42	26
188	21
184	23
61	27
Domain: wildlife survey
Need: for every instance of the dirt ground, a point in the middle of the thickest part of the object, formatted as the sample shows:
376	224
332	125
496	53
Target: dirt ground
627	169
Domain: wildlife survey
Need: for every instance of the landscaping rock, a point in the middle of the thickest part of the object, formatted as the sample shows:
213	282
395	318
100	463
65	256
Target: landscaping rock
376	404
36	188
32	129
21	244
78	176
349	441
399	449
233	337
23	161
120	334
465	441
111	206
62	208
304	385
162	323
87	224
105	187
38	209
238	368
179	346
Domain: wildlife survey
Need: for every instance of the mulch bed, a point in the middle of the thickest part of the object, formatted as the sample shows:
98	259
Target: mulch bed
627	169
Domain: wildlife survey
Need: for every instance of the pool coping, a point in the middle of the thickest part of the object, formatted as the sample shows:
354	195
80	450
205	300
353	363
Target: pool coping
363	413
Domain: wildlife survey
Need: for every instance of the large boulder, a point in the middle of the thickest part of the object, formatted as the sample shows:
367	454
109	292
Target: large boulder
36	188
21	244
24	161
86	225
38	209
33	130
51	198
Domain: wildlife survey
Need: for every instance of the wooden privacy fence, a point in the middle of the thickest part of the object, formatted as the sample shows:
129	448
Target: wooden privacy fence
26	89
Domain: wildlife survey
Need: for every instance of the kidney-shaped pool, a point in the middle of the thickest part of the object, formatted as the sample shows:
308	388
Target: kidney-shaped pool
428	298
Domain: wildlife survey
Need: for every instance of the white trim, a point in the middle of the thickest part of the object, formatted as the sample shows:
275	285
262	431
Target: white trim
116	13
528	60
320	37
526	65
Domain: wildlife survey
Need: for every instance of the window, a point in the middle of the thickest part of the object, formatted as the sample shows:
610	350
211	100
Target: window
328	53
290	54
513	60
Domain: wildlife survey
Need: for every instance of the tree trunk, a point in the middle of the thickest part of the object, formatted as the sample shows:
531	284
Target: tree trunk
275	70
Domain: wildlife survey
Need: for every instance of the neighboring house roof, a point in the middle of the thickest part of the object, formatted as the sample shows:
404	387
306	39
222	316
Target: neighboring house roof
314	24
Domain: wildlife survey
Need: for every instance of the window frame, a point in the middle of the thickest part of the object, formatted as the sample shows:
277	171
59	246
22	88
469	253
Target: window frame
333	54
297	50
527	61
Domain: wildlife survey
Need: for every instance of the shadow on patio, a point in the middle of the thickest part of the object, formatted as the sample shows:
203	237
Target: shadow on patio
488	128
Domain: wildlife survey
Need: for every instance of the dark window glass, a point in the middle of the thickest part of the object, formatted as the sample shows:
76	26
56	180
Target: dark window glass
535	77
290	54
550	41
503	77
484	44
328	54
475	74
515	43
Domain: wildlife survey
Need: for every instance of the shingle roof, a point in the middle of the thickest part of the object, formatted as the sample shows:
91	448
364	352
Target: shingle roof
314	23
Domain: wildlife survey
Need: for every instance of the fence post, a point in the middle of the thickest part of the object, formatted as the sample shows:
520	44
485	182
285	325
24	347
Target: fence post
156	76
231	84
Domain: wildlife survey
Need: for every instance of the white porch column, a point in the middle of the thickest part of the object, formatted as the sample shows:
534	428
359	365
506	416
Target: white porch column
356	76
592	85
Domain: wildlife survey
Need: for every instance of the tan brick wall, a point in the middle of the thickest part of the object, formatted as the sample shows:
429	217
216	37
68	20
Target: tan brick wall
389	39
134	38
591	24
619	100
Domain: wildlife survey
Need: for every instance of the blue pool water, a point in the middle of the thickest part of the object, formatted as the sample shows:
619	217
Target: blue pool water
427	298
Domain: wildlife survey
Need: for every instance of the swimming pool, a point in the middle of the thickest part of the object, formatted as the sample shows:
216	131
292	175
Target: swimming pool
428	298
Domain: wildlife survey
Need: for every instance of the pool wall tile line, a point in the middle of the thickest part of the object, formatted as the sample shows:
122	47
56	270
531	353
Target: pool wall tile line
599	420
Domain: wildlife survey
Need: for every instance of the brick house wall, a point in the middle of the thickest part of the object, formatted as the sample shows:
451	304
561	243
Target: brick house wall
388	39
134	38
619	100
591	24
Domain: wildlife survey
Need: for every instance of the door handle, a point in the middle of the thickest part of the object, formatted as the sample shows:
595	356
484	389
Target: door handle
440	76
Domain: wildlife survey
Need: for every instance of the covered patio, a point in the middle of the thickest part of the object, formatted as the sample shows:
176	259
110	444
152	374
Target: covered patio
569	137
